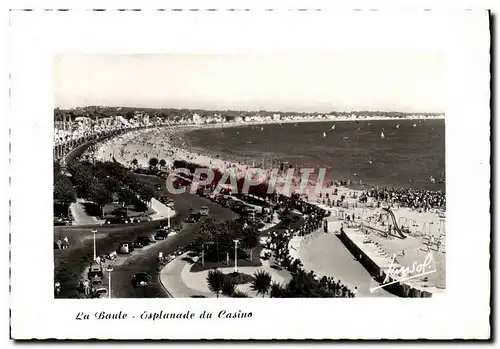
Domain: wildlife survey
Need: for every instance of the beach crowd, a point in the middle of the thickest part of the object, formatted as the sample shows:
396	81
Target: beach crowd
406	197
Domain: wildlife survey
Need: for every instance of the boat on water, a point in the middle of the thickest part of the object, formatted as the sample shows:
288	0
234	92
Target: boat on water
382	136
345	137
333	127
397	126
414	125
324	134
262	128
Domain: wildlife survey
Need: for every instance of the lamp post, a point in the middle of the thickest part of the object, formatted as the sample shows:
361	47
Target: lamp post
109	269
236	255
203	254
94	231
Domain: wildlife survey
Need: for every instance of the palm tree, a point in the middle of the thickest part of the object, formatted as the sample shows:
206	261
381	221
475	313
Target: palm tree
215	281
261	282
277	290
228	287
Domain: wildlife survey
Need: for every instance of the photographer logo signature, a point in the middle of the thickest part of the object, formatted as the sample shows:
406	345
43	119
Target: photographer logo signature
397	273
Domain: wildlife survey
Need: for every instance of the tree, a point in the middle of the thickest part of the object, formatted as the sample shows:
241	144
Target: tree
250	240
261	282
215	280
111	184
277	290
146	192
100	195
228	287
162	162
134	162
64	191
153	162
126	197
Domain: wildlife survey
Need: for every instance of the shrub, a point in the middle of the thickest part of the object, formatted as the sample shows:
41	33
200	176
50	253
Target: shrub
239	278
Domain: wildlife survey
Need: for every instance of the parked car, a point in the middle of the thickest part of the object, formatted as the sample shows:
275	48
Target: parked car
95	270
161	235
141	280
59	221
126	247
97	287
193	218
140	219
118	220
143	241
163	226
204	211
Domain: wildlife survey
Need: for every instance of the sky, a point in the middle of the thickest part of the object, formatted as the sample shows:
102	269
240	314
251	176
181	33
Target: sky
403	81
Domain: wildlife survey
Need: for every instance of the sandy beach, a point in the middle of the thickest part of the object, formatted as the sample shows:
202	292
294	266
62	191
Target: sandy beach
425	226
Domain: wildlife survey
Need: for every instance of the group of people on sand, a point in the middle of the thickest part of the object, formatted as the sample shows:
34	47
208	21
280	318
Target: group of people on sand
413	198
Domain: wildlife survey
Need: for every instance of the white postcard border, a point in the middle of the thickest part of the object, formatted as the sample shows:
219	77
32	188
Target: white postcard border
37	36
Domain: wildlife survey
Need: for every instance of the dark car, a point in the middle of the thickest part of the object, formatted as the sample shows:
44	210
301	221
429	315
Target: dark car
95	271
161	235
163	226
140	219
58	221
193	218
143	241
141	280
118	220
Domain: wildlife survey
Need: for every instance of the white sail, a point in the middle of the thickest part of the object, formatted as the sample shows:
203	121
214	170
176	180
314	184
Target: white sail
397	126
414	125
262	128
382	136
324	134
333	127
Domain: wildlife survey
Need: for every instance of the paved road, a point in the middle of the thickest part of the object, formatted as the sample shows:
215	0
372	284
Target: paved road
70	263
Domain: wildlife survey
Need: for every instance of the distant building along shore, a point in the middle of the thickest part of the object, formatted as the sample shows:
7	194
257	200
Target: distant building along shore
74	124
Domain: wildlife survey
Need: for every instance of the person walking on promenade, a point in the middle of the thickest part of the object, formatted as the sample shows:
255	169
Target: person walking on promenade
86	287
57	289
65	242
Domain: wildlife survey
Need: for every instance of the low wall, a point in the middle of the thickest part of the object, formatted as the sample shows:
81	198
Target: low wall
399	288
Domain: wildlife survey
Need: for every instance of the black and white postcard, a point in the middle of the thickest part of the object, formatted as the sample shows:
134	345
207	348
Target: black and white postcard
174	161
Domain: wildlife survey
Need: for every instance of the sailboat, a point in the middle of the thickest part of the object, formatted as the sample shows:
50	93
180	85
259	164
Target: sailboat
262	128
414	125
324	134
333	127
382	136
397	126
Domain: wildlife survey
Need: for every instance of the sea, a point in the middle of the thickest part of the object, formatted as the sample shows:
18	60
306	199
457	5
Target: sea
407	155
